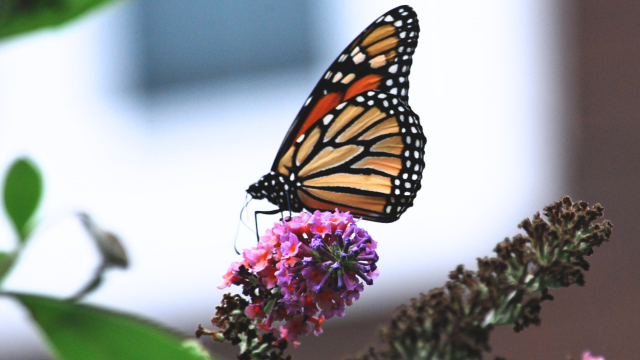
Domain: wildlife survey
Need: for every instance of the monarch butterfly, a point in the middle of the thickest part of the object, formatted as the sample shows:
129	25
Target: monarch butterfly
355	145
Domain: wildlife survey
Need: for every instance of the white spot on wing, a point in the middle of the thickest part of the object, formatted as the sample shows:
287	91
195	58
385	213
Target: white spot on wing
393	68
378	61
337	77
355	51
327	119
339	107
398	23
308	101
300	138
347	79
389	18
358	58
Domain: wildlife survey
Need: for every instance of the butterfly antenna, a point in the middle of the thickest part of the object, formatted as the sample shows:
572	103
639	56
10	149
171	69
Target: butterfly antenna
244	207
246	220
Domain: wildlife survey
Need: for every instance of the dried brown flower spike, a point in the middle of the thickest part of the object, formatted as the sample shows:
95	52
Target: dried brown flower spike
454	322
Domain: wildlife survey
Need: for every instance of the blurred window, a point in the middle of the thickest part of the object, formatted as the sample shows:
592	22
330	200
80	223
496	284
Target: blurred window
201	40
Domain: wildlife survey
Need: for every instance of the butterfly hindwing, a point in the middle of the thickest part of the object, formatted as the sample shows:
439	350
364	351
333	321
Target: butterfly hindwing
379	58
363	156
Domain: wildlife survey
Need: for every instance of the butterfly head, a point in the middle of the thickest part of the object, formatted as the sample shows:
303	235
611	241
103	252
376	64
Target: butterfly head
276	188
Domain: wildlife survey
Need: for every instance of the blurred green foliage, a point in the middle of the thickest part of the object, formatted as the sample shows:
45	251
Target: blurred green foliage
22	192
21	16
6	260
78	332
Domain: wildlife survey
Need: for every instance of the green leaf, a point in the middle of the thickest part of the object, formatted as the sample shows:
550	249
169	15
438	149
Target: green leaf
22	192
269	306
20	16
85	332
6	260
196	349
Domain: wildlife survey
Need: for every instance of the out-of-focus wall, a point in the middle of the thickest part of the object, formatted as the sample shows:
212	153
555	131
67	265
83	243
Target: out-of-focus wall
604	315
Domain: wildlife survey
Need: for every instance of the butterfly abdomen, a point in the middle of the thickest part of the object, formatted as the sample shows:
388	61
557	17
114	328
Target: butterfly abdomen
275	188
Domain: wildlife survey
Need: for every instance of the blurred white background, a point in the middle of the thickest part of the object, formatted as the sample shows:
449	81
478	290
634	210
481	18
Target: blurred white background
166	169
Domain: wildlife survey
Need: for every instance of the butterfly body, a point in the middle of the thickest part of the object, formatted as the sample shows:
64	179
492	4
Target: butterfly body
356	144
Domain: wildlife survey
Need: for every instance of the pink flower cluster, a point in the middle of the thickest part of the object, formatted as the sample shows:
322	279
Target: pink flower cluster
304	271
587	356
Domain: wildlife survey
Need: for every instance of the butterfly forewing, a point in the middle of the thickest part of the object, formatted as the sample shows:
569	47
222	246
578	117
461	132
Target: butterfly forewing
379	58
363	156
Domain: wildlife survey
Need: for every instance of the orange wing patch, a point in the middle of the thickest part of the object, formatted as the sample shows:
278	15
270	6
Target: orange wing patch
307	146
369	82
286	162
321	205
323	106
376	183
392	145
378	34
372	115
390	165
343	119
330	157
389	126
382	46
373	203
